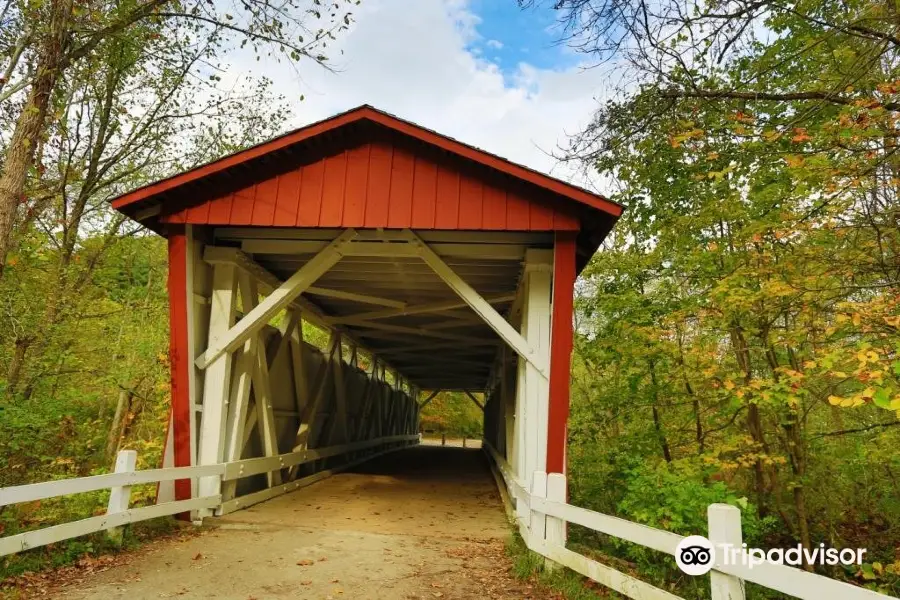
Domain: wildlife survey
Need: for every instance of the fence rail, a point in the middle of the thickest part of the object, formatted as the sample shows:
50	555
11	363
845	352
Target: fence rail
119	513
541	512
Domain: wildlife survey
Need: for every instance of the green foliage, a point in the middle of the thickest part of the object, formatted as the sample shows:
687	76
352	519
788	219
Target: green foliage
454	414
674	496
739	334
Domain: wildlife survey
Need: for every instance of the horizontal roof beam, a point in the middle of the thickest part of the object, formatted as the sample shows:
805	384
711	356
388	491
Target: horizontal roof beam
312	234
430	307
353	296
387	248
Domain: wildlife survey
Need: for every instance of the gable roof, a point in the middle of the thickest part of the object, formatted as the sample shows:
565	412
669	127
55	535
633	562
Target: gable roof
147	203
366	112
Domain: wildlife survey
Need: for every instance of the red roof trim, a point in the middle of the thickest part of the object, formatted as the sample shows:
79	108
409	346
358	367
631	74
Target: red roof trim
411	129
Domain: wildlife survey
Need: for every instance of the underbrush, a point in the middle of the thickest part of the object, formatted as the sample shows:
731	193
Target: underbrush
73	551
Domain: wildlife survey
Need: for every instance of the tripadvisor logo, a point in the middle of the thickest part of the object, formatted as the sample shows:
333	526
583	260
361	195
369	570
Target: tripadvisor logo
696	555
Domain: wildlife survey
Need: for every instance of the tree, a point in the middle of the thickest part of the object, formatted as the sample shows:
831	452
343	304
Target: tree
60	35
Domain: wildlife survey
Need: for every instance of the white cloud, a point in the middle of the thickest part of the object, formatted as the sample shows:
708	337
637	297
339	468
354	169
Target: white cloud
411	59
495	44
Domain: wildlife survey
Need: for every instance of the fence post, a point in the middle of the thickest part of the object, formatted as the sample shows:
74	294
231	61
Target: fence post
556	492
538	520
119	497
724	523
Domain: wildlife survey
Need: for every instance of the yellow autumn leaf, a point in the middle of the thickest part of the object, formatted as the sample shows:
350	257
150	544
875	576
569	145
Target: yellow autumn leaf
835	400
729	385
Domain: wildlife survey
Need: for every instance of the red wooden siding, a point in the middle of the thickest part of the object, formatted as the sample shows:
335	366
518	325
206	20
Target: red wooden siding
179	357
564	273
379	185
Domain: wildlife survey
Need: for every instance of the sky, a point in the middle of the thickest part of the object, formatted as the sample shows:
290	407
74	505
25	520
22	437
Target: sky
483	71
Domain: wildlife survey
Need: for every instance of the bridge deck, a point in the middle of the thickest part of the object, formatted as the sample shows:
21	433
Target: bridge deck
424	522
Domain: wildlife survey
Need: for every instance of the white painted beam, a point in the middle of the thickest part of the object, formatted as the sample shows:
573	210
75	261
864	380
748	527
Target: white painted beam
395	249
355	297
278	299
431	307
483	308
217	379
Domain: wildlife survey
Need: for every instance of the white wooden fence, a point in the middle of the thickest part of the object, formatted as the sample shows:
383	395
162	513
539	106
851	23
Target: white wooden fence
125	476
542	512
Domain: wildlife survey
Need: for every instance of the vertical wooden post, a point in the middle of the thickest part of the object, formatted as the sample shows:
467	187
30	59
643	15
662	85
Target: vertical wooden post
217	380
533	390
724	528
180	357
556	491
537	520
561	350
119	497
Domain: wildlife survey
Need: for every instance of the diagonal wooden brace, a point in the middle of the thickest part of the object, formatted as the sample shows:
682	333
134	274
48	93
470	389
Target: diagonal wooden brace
278	299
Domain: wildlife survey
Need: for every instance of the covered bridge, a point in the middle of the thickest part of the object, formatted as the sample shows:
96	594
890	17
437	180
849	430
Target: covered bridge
432	264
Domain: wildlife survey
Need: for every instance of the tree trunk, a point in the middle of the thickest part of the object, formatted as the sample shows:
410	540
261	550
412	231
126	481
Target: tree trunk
118	424
14	373
754	420
30	123
657	422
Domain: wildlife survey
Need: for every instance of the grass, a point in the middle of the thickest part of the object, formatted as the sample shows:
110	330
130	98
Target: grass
531	566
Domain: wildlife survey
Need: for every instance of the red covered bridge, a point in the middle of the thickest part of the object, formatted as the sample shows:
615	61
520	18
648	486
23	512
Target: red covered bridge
446	267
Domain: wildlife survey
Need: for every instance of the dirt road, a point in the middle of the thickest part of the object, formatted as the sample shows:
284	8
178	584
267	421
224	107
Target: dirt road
424	522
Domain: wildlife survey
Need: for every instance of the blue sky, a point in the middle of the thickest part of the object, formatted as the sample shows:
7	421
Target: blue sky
509	35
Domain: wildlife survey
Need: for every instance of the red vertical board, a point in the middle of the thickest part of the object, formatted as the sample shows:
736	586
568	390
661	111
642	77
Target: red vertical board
333	191
402	176
357	185
242	206
517	214
469	203
446	215
379	185
310	194
493	209
541	216
560	349
264	204
220	210
424	193
179	356
197	214
287	199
